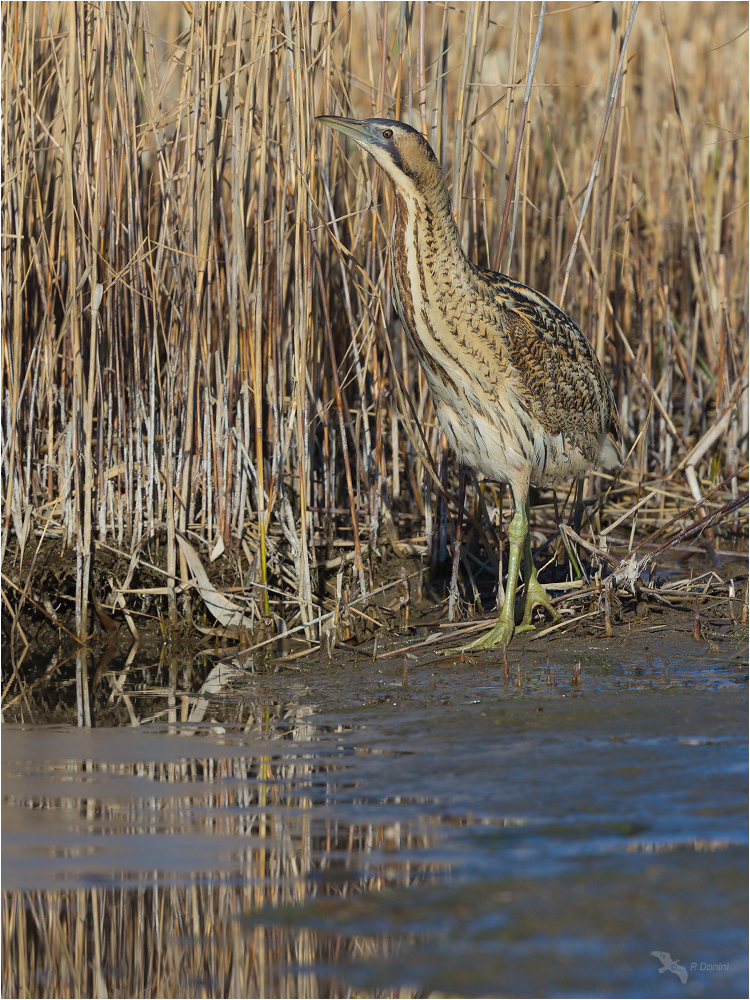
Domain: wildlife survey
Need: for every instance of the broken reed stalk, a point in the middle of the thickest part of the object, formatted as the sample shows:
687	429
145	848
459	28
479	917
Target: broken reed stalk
176	355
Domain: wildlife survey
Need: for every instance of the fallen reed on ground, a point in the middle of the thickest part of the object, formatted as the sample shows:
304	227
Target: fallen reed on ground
197	315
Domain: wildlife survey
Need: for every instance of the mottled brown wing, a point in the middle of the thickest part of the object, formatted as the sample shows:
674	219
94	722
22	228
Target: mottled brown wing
566	385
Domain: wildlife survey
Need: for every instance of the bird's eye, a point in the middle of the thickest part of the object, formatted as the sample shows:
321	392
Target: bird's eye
387	133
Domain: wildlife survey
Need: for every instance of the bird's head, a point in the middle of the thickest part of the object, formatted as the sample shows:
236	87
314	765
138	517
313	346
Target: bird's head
400	150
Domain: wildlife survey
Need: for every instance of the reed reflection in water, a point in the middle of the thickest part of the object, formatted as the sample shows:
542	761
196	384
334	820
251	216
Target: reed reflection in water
162	864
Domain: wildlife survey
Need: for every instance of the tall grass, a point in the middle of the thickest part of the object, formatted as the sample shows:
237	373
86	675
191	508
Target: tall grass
196	312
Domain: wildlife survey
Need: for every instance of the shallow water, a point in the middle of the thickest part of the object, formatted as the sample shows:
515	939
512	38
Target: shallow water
362	829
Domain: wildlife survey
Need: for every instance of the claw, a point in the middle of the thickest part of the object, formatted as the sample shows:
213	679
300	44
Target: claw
536	597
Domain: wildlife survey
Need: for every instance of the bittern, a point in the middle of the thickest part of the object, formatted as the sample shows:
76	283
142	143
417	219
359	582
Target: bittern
516	386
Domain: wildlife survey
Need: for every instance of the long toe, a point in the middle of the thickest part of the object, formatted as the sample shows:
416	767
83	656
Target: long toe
536	597
499	635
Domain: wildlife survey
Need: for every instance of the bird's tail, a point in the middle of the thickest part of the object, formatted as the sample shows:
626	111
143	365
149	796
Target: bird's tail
610	456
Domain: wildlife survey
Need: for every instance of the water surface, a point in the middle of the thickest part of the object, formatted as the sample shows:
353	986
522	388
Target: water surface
450	830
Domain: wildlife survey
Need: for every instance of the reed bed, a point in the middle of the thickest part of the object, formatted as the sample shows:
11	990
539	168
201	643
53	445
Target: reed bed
202	369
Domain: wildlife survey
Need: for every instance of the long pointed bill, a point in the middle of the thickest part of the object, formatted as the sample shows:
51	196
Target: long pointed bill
349	126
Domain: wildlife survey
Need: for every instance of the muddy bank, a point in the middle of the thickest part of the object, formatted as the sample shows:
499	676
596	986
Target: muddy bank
656	648
136	666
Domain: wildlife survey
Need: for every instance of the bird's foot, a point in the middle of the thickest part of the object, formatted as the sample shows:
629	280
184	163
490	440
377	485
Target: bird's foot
536	597
499	635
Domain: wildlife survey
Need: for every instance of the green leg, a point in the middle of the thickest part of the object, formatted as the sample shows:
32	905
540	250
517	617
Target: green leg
535	594
502	633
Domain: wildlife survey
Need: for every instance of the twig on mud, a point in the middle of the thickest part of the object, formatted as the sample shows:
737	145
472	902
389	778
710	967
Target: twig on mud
319	620
562	624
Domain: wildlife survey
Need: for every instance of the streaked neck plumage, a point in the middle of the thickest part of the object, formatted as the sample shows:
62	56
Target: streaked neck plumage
424	218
